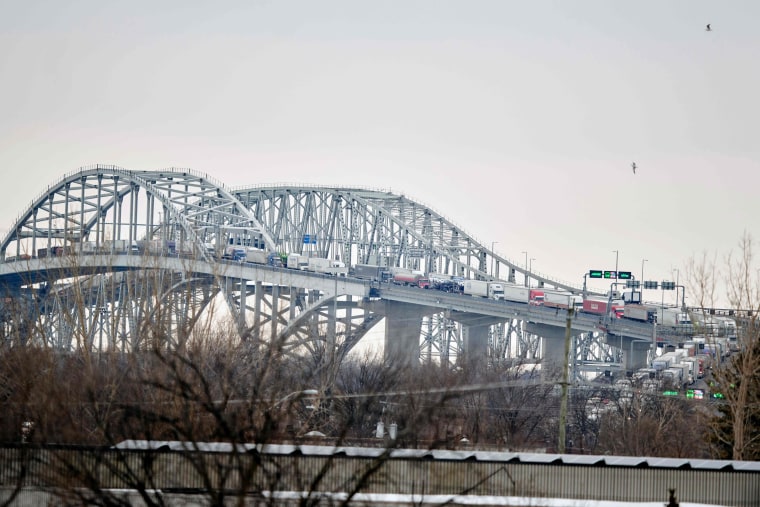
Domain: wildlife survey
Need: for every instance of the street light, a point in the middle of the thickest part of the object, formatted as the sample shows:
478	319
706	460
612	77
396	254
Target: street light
642	269
616	262
526	267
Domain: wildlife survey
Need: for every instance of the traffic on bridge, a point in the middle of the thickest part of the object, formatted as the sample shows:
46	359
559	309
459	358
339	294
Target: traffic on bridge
287	261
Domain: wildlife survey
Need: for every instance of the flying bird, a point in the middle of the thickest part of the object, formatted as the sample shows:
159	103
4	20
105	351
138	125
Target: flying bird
633	166
707	28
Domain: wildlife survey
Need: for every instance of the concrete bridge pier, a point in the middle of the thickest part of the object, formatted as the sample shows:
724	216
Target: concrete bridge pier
635	353
475	344
475	334
552	347
403	322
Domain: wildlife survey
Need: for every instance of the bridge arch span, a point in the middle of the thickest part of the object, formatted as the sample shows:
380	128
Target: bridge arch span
359	225
107	209
104	205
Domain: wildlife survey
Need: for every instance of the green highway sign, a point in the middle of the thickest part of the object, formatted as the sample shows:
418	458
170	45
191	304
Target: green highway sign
595	273
624	275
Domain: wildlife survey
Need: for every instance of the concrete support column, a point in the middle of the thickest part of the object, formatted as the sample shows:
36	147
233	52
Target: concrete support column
475	343
274	321
635	354
257	296
332	312
243	294
402	334
552	348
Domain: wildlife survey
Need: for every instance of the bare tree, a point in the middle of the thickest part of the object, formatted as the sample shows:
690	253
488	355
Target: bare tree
650	424
736	432
207	388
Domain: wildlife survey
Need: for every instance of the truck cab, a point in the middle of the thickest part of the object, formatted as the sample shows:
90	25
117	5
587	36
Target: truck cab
536	297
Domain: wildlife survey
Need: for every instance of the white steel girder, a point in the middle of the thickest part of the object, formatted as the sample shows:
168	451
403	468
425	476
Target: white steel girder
103	207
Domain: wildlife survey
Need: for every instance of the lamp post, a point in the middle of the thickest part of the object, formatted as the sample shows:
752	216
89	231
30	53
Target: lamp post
526	267
642	269
616	263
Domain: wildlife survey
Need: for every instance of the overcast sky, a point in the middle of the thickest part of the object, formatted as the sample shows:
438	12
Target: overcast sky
517	120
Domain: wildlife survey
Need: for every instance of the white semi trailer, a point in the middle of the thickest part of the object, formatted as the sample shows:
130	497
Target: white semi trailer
562	299
491	290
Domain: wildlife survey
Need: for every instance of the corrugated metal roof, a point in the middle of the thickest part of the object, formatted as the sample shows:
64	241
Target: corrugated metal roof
450	455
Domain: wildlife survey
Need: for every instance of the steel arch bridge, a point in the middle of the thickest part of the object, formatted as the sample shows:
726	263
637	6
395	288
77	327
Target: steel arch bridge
108	258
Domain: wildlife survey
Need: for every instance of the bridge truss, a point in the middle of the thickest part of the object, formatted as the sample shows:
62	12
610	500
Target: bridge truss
112	212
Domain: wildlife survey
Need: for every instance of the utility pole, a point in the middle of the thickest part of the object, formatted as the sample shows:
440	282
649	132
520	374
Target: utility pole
565	376
642	270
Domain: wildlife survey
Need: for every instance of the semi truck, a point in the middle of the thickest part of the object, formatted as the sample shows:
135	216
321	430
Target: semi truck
516	293
53	251
562	299
296	261
401	276
664	362
672	317
642	313
116	246
236	253
326	266
156	247
536	297
696	366
481	288
677	375
603	306
371	272
253	255
317	264
726	327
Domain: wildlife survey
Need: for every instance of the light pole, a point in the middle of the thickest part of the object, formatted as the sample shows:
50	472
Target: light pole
526	267
678	274
492	244
642	270
616	263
